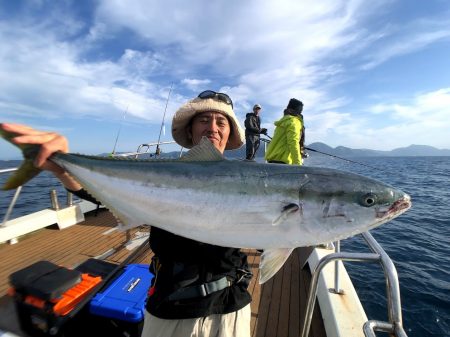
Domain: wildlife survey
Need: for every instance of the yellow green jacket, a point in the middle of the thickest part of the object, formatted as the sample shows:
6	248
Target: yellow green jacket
285	144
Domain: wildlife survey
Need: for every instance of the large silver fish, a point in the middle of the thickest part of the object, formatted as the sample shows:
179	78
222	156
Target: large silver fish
204	197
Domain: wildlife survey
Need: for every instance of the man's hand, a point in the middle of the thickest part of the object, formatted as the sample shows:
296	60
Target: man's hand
264	131
50	143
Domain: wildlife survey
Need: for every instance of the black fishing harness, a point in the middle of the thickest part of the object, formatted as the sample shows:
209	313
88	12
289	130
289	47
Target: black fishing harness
194	279
201	290
185	291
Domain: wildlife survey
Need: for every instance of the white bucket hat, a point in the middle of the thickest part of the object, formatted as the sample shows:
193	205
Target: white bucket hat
187	111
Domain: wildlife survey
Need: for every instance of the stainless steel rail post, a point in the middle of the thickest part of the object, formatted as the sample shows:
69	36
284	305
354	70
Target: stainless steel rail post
395	325
11	206
392	285
371	326
54	200
13	200
355	257
336	289
69	199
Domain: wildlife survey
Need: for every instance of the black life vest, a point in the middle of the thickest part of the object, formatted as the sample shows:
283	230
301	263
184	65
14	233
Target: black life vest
194	279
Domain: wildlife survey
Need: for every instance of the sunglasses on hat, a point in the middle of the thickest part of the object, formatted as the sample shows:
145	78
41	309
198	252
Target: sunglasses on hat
220	96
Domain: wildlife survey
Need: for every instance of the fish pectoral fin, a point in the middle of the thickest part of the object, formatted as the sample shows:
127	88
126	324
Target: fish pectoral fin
288	209
271	261
204	151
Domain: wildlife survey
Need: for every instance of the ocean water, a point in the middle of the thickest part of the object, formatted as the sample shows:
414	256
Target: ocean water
418	241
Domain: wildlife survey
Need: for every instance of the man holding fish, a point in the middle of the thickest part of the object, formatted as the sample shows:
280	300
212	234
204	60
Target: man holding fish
199	289
206	204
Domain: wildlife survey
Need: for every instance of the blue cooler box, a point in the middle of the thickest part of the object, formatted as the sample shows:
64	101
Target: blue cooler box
125	298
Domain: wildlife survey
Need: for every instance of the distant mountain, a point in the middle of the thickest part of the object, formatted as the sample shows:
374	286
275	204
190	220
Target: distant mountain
412	150
341	151
420	150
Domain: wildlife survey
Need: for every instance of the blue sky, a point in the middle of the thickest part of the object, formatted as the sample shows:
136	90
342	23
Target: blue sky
372	74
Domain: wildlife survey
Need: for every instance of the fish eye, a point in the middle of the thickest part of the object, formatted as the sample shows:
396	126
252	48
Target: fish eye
368	200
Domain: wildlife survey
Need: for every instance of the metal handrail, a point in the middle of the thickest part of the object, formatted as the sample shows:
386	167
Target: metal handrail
139	150
53	198
392	286
12	169
14	198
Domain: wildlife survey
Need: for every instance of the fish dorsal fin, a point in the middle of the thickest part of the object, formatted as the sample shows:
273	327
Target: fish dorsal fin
204	151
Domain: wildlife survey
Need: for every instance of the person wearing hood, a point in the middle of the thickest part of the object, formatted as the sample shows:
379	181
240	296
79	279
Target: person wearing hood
285	146
252	132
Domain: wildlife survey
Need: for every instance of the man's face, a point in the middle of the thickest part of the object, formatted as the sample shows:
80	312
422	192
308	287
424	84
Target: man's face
212	125
256	111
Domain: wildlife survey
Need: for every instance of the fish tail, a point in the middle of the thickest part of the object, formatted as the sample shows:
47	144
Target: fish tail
27	170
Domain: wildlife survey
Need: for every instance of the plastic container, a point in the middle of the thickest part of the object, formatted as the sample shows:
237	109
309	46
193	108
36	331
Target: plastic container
125	298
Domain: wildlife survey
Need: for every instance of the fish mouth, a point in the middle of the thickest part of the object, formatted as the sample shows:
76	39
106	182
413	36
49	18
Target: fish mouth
399	206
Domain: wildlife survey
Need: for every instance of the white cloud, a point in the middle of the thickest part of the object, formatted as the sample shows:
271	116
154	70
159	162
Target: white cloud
400	40
236	46
258	52
423	120
269	46
425	108
195	84
47	76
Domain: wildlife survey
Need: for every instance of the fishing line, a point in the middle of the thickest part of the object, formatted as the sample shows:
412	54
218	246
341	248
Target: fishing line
334	156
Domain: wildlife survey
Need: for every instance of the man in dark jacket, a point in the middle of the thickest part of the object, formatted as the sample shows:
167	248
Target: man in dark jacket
252	132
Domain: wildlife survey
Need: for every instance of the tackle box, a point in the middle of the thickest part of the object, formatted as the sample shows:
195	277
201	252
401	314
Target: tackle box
46	295
125	298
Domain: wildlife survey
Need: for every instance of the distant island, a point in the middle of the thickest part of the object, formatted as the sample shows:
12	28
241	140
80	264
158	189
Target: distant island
412	150
342	151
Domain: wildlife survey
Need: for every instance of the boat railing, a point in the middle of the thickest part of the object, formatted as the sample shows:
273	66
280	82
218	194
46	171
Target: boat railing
395	324
143	149
63	215
14	198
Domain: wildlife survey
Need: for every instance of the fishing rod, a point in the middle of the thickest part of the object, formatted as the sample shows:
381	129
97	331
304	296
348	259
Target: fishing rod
118	132
158	150
334	156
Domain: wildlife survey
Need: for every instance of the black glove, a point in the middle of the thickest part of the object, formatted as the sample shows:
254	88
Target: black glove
263	131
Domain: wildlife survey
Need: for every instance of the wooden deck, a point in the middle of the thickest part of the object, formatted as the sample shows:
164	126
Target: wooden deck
278	306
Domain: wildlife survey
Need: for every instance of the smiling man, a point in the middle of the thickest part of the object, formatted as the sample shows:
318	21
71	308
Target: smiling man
183	267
